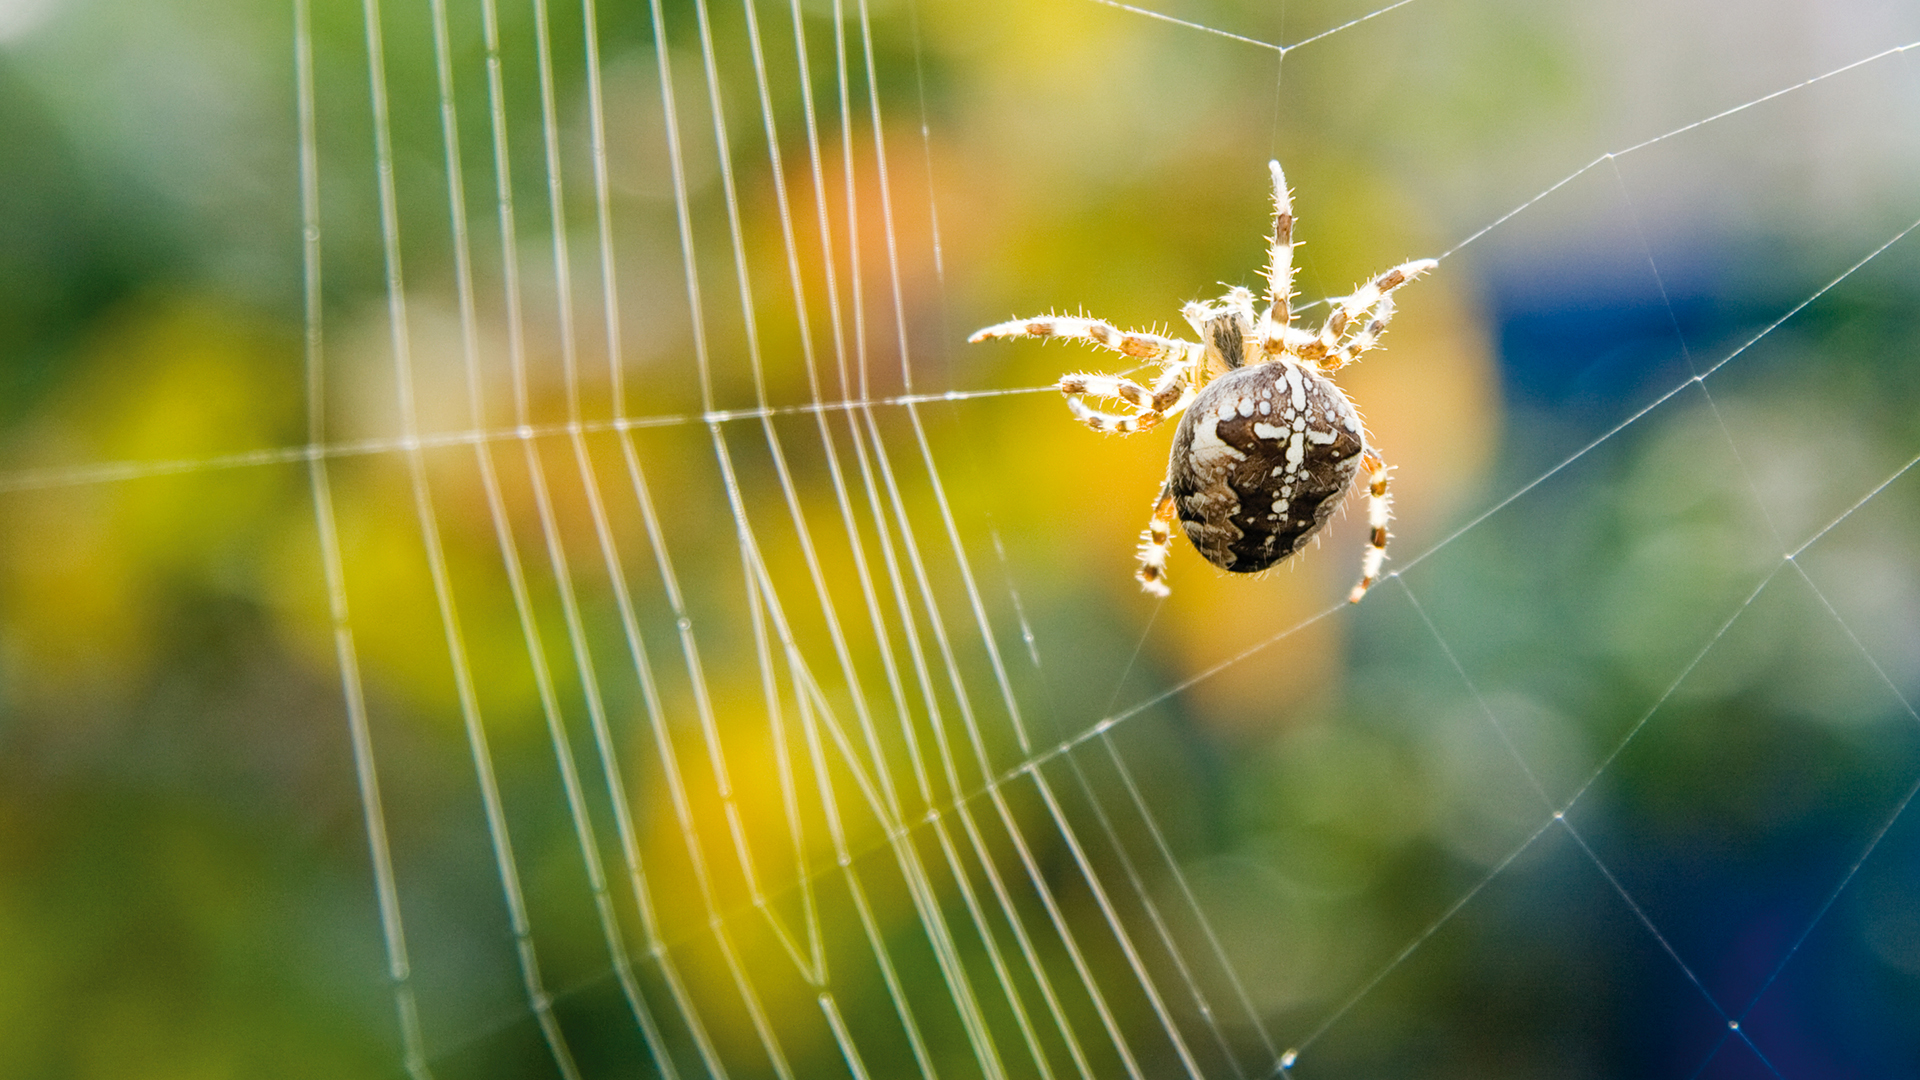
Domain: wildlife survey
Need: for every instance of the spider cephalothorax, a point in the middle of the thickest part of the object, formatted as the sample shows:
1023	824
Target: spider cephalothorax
1267	445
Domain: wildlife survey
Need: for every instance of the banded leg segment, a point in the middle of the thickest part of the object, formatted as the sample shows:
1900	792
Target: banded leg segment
1333	349
1279	259
1141	346
1362	339
1155	543
1379	512
1152	405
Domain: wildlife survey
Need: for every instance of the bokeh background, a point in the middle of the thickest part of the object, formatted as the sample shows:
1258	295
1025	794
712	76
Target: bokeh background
574	567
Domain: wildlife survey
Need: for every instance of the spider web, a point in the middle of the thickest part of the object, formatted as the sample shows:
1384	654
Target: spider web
722	698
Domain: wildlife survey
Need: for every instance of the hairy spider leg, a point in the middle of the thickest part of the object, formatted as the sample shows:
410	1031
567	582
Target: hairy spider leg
1155	542
1153	406
1279	263
1379	512
1328	348
1134	343
1361	340
1177	356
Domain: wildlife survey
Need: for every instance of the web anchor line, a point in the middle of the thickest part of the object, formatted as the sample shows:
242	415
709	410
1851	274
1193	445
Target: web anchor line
1559	816
110	472
353	688
1283	50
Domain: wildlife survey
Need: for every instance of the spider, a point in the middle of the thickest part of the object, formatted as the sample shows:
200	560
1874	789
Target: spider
1267	445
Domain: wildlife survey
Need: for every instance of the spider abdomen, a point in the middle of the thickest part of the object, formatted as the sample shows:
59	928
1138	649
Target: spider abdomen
1260	462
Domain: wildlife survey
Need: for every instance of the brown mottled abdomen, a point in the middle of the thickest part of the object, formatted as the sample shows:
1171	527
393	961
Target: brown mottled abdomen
1260	462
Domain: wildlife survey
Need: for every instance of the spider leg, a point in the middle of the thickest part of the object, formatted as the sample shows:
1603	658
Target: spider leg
1134	343
1155	542
1379	512
1331	348
1152	405
1279	260
1362	339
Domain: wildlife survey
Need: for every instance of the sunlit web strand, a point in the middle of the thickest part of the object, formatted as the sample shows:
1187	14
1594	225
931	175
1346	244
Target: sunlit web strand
1229	35
761	598
353	692
1103	729
624	819
1643	144
936	622
585	832
1559	817
575	429
1106	724
930	919
1113	720
59	476
1717	635
1862	501
1143	895
438	565
874	463
538	999
1734	1022
1628	737
1873	842
1654	404
76	475
897	833
1161	848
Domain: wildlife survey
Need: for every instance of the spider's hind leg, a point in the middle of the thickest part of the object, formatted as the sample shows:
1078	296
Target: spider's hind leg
1379	512
1155	543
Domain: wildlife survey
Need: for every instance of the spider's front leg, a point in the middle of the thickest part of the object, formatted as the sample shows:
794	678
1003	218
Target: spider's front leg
1333	349
1151	348
1155	543
1151	406
1279	271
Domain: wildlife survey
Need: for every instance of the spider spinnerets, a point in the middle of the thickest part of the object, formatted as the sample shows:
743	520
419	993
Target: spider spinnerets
1268	445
